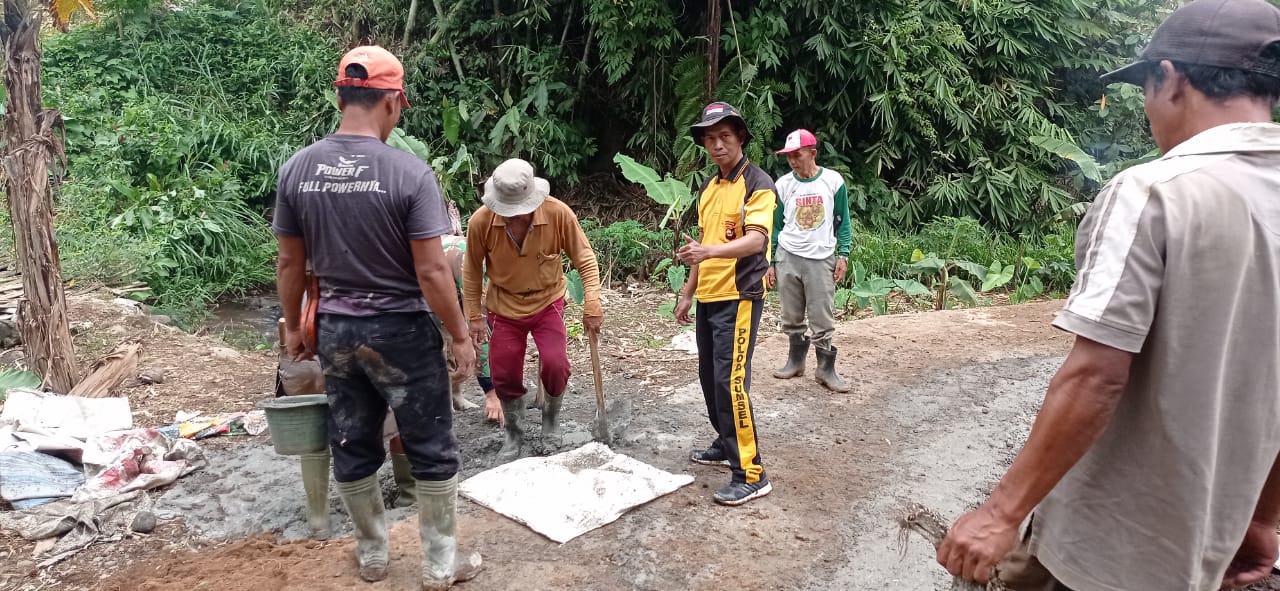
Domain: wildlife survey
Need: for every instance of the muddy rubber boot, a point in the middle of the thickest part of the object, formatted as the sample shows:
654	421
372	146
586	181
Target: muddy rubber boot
404	480
363	499
513	415
315	483
442	565
795	358
826	374
551	421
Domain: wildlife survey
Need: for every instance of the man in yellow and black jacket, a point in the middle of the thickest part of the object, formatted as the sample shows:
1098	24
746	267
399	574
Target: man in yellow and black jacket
727	267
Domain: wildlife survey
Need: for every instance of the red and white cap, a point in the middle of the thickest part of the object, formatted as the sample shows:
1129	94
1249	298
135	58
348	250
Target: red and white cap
800	138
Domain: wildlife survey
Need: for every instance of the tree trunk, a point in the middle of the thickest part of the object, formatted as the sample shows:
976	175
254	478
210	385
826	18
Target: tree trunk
408	23
713	47
29	146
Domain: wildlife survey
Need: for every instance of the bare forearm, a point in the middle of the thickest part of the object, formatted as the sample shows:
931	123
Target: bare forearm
691	284
291	278
1077	408
1268	509
751	243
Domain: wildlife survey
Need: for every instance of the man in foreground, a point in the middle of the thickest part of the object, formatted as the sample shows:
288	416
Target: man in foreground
1152	464
517	238
369	217
811	239
727	267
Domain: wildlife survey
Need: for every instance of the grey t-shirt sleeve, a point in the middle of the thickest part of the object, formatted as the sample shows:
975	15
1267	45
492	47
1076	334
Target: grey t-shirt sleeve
428	216
284	220
1119	267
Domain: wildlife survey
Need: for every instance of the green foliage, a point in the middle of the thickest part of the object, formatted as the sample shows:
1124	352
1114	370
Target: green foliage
176	122
673	193
626	248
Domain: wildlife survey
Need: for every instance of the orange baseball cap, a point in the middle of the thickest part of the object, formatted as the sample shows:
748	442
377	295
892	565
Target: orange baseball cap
385	71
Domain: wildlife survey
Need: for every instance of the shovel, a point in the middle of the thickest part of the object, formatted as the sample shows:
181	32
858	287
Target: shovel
600	428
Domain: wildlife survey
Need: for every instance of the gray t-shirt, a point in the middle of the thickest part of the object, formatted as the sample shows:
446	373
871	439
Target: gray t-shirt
1179	263
357	203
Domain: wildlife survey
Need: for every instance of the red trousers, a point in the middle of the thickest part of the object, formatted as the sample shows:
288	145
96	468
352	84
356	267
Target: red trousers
507	347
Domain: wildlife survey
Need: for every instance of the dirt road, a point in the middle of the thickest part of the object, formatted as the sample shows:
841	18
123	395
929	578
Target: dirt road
940	403
940	400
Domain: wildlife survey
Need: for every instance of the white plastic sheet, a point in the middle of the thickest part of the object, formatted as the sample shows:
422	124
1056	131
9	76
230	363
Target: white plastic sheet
70	416
569	494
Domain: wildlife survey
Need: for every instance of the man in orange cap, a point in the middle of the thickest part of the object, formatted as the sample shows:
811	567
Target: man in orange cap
369	218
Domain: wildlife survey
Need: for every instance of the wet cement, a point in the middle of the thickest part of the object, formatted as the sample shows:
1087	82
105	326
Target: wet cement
959	431
248	489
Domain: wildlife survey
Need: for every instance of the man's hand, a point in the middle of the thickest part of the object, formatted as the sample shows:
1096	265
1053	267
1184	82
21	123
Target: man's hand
493	408
692	252
479	331
771	277
591	324
295	347
464	354
976	543
1254	559
682	310
842	267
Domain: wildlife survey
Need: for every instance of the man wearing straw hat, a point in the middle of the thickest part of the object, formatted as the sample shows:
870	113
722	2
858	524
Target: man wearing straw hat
518	237
369	219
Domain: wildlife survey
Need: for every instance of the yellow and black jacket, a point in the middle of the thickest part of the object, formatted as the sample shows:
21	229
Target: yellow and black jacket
729	207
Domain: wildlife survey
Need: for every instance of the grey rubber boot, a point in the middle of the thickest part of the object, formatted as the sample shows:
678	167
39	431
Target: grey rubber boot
513	415
551	421
315	483
826	374
404	480
442	565
795	358
363	499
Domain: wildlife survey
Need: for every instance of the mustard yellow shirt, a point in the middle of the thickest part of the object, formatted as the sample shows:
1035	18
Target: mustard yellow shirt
524	281
729	207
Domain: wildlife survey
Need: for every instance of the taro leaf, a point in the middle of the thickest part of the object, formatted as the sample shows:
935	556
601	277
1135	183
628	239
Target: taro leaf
912	287
1064	149
997	276
842	298
673	193
574	281
873	287
452	119
924	264
403	141
857	272
676	274
975	270
962	290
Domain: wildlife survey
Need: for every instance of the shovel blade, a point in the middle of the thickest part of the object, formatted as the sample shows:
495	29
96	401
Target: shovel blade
600	429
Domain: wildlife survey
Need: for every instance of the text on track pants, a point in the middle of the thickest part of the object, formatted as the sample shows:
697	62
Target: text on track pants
726	335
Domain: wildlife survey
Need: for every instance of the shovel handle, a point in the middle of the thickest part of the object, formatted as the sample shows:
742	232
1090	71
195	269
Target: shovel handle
594	340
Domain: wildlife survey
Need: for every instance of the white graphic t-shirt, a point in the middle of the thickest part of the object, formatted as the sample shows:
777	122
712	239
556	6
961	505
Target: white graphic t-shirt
814	214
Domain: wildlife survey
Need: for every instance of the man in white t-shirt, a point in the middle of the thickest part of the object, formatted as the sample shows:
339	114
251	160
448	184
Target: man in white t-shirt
811	239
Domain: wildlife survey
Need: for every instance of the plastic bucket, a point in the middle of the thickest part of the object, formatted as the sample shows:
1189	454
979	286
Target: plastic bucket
299	424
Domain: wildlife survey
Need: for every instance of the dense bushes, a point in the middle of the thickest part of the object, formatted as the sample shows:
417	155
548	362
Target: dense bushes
176	123
179	113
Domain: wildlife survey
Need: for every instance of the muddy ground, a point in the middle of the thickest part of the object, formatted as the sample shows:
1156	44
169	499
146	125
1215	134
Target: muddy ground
940	403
